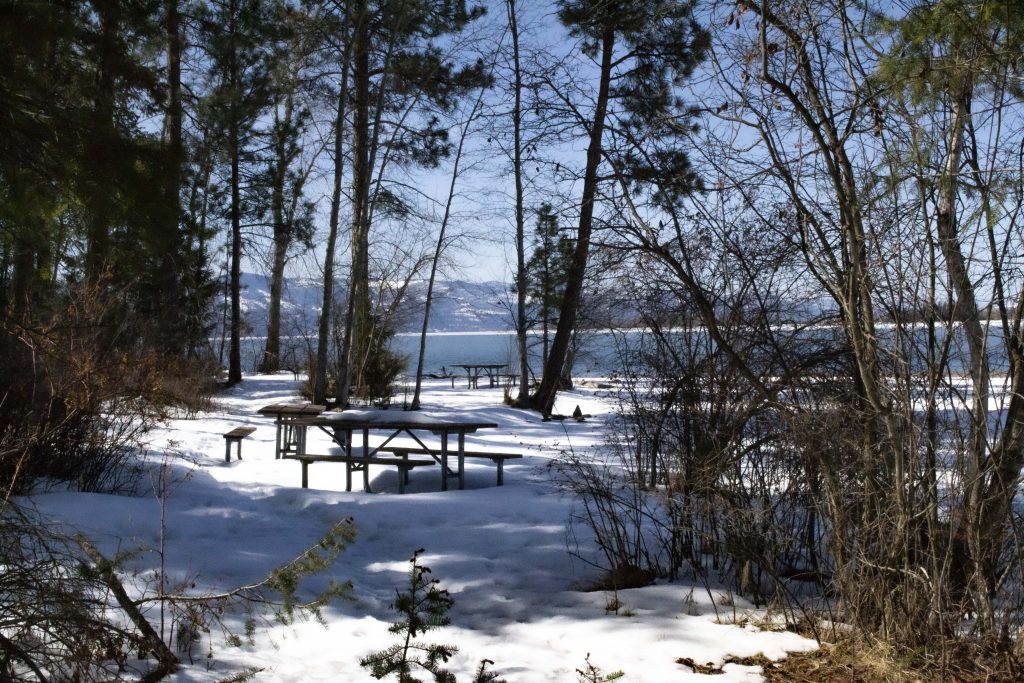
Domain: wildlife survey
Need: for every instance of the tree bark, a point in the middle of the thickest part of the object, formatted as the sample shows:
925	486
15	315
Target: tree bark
172	314
283	235
517	170
357	328
439	249
235	349
544	399
323	331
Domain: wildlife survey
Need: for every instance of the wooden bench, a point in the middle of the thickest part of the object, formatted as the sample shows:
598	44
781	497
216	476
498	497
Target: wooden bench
235	436
355	463
497	458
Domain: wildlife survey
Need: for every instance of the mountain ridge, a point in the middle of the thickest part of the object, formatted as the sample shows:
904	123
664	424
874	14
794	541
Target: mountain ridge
457	306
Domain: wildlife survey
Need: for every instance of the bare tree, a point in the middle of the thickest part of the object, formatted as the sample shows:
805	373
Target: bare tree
520	217
443	239
820	161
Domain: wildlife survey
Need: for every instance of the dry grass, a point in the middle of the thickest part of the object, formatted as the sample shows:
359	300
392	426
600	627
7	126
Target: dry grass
854	660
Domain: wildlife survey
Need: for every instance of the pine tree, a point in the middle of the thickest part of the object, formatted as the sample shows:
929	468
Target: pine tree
423	607
642	49
287	166
396	68
234	33
546	272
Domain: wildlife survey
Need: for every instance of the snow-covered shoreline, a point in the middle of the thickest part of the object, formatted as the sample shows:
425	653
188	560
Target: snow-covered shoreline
501	551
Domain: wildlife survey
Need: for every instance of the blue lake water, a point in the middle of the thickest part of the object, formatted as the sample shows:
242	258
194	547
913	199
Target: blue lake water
447	350
597	356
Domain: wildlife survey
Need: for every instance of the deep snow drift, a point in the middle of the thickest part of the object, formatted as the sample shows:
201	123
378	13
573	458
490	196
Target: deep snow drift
504	553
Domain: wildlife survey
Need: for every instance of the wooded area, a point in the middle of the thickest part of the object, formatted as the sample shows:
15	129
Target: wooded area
815	206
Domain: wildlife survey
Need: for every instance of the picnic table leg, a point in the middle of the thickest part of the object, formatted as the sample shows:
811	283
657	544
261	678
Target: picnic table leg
462	460
289	437
366	454
305	473
348	465
227	450
277	440
403	474
444	461
501	466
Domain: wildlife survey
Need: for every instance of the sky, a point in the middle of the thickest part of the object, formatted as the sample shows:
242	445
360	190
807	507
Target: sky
483	211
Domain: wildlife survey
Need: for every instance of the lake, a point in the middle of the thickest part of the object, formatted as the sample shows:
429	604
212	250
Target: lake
446	350
597	356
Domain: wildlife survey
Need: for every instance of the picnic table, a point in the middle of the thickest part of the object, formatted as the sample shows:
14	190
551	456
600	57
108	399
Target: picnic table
418	427
285	415
493	372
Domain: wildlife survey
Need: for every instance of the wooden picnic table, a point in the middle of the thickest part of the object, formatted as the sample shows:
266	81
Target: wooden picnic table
474	371
285	415
342	427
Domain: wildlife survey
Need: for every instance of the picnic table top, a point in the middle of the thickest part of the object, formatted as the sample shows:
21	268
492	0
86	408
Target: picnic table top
486	366
390	419
295	409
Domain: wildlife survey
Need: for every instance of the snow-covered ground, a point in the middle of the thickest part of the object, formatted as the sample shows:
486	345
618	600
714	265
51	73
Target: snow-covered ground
503	553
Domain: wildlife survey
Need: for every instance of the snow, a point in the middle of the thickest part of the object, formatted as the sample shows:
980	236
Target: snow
503	552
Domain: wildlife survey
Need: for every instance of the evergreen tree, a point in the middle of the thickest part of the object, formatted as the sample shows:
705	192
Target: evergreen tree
235	36
287	165
396	70
87	227
43	128
423	607
546	272
78	169
642	49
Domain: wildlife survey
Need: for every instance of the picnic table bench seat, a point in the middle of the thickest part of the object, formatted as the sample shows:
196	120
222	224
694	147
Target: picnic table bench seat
497	458
358	463
235	436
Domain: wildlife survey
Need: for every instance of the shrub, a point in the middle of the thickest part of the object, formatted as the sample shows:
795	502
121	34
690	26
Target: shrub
81	398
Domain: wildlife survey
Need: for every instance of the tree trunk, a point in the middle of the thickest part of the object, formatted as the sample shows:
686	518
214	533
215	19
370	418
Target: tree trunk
969	532
357	318
272	351
517	169
5	268
439	249
97	258
172	314
235	349
283	232
544	399
323	332
23	277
